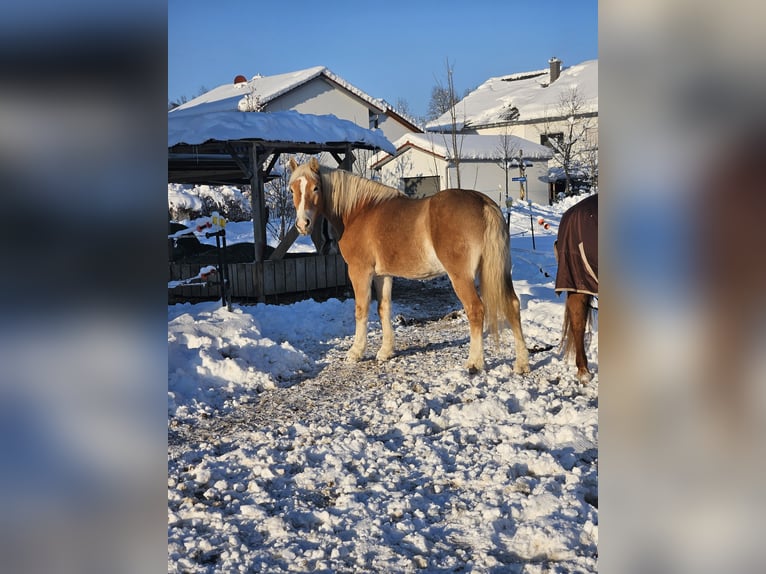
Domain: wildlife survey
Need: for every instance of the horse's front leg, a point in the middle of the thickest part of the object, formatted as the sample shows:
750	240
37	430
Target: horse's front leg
383	291
361	280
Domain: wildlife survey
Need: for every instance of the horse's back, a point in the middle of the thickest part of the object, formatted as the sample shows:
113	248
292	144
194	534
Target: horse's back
577	248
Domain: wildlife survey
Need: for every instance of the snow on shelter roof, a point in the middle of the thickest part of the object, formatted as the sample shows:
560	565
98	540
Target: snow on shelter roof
201	125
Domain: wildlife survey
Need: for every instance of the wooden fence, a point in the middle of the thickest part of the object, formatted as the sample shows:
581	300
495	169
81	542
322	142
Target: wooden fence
263	280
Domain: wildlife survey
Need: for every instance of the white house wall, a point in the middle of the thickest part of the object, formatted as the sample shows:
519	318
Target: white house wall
533	131
391	128
320	97
489	178
412	163
484	176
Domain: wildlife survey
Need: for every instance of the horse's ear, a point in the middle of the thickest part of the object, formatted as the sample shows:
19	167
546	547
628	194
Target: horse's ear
314	165
293	164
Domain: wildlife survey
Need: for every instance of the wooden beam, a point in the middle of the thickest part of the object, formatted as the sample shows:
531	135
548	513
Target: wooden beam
285	244
274	158
238	160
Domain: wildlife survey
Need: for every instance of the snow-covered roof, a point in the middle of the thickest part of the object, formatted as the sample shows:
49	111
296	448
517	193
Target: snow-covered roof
472	147
286	126
268	88
525	96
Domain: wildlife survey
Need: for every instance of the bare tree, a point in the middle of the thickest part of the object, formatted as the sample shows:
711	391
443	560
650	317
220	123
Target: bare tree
403	106
172	104
566	132
455	146
439	104
402	166
280	211
590	154
507	149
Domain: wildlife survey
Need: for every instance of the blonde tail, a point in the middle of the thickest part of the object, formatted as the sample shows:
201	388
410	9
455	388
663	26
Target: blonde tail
500	301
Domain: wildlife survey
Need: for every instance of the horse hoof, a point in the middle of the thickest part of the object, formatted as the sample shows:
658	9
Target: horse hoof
474	368
584	378
353	357
520	369
384	356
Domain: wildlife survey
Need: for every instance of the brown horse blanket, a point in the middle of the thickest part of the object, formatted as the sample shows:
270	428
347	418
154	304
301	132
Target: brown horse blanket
577	248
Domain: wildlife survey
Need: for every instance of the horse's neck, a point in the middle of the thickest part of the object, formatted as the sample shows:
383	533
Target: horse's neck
329	208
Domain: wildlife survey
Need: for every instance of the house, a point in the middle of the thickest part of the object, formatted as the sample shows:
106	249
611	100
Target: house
316	91
423	164
546	106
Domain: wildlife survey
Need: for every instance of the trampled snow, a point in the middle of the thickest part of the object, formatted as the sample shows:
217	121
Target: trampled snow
283	457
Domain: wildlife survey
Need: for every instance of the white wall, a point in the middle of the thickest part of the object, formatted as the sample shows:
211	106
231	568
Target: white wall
484	176
320	97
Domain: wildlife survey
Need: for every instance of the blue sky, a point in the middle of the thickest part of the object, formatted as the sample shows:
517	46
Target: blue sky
392	49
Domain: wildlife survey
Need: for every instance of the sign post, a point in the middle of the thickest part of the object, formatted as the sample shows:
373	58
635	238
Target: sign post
524	192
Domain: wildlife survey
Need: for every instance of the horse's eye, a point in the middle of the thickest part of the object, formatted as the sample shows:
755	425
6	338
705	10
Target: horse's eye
316	189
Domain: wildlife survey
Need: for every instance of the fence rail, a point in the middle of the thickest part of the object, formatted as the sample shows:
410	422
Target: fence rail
257	281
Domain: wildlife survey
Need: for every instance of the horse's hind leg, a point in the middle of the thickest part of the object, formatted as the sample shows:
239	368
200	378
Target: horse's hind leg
514	318
383	290
362	283
577	309
474	310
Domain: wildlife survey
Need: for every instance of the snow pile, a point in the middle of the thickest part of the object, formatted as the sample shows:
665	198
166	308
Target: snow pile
285	458
186	202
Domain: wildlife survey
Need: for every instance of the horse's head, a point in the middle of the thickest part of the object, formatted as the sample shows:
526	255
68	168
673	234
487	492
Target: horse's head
306	187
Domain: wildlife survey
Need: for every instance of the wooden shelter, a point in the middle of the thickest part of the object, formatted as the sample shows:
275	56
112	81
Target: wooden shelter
236	148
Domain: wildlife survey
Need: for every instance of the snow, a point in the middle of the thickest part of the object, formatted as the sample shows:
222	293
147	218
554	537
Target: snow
529	93
472	146
282	457
198	125
268	88
226	96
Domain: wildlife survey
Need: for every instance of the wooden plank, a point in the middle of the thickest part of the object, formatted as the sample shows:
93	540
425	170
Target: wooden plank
321	272
237	279
329	265
269	278
255	281
291	283
279	276
311	272
300	274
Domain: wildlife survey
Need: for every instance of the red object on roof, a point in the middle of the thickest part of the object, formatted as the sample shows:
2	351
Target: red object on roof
239	79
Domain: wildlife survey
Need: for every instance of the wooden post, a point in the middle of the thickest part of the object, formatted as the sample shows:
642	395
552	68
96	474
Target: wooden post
258	204
259	223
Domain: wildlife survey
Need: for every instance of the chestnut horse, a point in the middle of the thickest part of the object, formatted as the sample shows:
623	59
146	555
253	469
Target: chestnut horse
576	250
384	233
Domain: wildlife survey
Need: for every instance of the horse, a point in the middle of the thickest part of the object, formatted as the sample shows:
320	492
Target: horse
576	251
384	234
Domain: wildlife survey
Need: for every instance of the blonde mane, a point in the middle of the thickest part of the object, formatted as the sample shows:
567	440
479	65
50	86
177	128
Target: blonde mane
345	192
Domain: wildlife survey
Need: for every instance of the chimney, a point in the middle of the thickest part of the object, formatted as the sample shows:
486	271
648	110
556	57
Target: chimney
555	65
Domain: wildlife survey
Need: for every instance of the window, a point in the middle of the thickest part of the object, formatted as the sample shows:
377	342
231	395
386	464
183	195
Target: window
545	138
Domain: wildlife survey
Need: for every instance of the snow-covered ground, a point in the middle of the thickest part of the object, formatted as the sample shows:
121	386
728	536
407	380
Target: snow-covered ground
282	457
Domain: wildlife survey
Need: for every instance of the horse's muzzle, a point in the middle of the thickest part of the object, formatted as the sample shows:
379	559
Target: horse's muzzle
303	226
